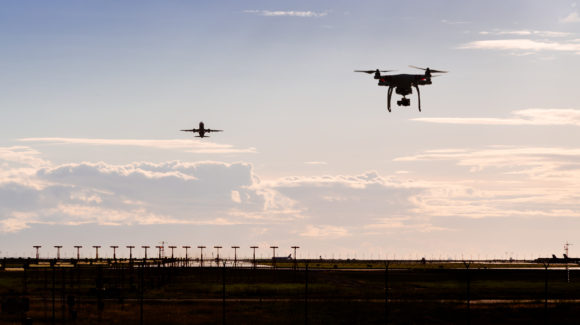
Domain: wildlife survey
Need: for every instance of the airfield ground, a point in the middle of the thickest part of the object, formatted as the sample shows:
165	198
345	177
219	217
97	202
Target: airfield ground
330	292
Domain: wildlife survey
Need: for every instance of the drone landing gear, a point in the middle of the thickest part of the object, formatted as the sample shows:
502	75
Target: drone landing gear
418	96
404	101
389	95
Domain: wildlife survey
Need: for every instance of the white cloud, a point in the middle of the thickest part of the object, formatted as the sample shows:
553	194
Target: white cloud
348	200
209	200
401	224
527	32
291	13
522	45
137	193
571	18
316	163
534	116
504	181
188	145
324	231
200	193
236	197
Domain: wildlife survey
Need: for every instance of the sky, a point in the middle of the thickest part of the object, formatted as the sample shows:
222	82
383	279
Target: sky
93	95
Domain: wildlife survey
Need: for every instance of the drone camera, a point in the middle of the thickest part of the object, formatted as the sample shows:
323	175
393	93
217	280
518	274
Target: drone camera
404	102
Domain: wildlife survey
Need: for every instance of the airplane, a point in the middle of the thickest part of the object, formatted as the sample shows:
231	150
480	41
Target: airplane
202	131
402	83
555	259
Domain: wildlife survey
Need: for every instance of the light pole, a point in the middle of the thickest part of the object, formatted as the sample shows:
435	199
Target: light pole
254	255
186	256
274	255
218	254
172	248
145	247
295	262
58	252
37	247
160	248
78	247
97	252
235	255
201	255
114	247
130	247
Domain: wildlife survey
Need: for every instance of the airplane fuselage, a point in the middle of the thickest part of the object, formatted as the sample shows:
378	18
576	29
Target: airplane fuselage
201	130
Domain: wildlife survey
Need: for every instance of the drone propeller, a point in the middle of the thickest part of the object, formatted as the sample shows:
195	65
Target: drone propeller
373	71
427	69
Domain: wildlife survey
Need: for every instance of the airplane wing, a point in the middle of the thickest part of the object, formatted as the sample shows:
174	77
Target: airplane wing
192	130
210	130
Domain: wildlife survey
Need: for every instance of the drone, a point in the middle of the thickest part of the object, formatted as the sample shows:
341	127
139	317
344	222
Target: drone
402	83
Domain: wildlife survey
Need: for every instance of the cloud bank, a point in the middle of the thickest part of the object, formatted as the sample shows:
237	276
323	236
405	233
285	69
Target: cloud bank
228	201
34	191
573	17
533	116
528	41
190	145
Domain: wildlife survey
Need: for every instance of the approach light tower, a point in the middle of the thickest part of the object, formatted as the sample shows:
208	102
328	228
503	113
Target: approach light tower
58	247
172	248
566	246
295	262
186	255
78	247
218	254
145	247
274	255
160	248
114	247
130	247
254	255
235	255
96	247
201	255
37	247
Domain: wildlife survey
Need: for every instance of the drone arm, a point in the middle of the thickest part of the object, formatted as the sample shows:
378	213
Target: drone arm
418	96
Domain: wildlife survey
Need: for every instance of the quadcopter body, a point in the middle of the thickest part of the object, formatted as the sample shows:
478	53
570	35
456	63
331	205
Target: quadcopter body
403	84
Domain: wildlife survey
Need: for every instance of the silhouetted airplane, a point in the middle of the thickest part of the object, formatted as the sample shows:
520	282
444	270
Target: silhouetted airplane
283	258
202	131
555	259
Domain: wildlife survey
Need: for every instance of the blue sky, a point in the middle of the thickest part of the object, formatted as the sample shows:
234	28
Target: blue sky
93	95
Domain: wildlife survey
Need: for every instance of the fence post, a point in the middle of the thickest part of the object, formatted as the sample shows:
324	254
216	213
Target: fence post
306	294
467	265
546	265
224	293
386	292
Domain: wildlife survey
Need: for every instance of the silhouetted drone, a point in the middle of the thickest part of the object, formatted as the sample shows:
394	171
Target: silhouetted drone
202	131
402	83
